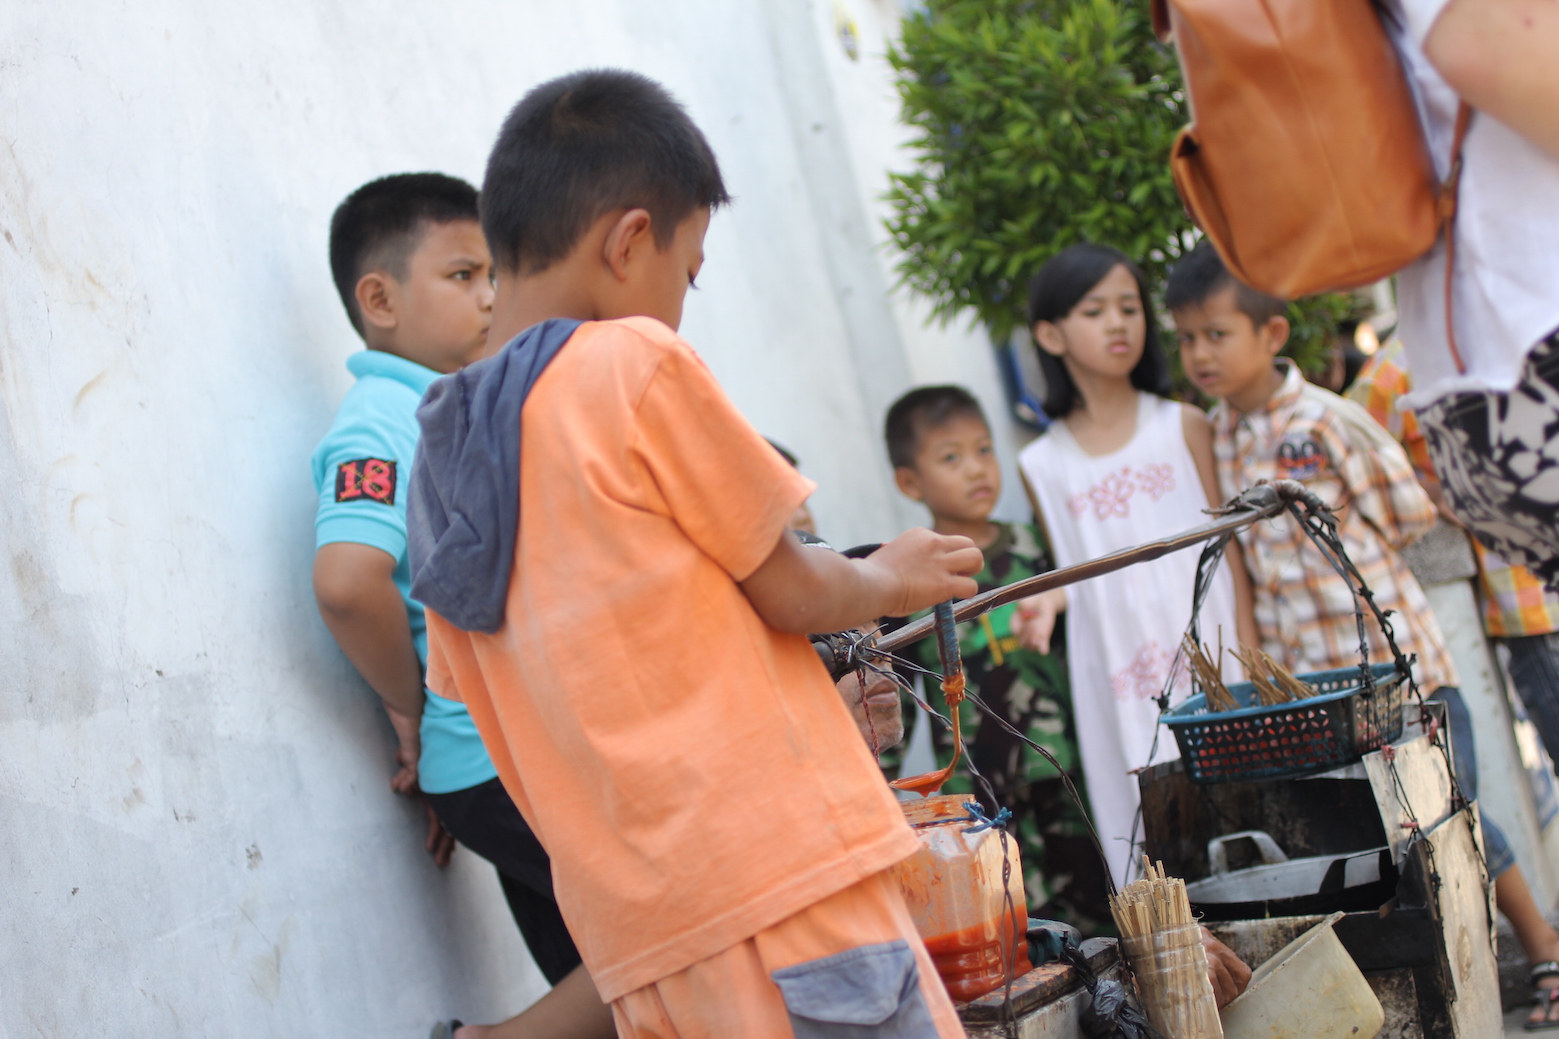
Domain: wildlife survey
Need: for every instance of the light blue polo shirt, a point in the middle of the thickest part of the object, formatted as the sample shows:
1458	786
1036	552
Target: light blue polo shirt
360	472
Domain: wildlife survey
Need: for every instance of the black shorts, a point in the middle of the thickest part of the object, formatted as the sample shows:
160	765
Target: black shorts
484	819
1497	455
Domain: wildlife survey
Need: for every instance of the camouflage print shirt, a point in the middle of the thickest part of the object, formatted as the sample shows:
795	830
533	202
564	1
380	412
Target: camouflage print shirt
1029	689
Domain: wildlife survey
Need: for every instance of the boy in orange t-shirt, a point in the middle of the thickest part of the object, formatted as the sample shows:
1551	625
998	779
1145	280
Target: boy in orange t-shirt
600	540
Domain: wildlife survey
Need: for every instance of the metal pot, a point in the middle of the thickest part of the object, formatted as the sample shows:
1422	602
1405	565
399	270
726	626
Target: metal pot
1336	881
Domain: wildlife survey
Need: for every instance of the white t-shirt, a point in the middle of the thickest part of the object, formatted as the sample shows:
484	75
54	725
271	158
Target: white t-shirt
1505	290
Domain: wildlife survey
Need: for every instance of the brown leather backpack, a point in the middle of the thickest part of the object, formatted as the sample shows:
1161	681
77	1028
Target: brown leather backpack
1305	162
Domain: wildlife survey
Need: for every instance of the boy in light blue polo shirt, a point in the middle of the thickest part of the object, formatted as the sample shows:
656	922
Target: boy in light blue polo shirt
413	270
358	469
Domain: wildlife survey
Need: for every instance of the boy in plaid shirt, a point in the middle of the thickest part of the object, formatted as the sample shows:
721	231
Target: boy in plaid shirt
1271	424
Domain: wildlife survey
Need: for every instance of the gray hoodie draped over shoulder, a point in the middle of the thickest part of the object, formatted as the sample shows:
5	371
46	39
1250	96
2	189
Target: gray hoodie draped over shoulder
463	513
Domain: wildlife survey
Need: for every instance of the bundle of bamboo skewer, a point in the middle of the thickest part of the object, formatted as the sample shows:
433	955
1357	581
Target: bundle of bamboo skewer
1274	683
1163	943
1209	675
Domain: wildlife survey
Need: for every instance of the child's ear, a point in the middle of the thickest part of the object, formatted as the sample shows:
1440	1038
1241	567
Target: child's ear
376	295
1275	334
1048	335
908	482
629	234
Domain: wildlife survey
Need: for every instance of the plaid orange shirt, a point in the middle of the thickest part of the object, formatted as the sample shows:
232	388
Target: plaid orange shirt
1515	602
1304	608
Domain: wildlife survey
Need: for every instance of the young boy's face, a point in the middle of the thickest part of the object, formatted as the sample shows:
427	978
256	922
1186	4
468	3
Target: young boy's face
955	472
1223	351
445	302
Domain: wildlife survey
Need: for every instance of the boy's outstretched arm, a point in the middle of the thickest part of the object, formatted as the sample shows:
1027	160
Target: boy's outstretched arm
355	589
354	586
807	590
1036	615
1199	440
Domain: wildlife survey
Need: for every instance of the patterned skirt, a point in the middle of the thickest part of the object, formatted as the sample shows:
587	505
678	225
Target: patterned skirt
1498	456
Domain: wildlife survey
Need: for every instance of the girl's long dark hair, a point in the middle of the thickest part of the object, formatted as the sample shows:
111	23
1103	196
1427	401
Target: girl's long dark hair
1058	287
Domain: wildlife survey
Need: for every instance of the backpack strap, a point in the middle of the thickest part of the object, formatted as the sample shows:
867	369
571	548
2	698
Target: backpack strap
1447	214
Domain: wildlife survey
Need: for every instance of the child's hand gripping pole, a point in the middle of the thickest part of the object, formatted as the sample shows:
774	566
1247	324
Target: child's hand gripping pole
952	692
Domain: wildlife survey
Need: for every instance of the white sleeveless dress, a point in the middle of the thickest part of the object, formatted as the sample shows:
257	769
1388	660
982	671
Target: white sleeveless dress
1122	629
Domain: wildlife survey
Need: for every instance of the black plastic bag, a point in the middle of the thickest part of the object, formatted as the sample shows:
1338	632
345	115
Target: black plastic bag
1113	1012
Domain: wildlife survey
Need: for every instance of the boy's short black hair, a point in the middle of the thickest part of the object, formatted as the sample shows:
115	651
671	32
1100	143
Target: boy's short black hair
379	224
1200	273
920	410
582	145
1062	283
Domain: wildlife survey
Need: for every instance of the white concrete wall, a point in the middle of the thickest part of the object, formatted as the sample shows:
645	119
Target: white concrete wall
196	836
861	92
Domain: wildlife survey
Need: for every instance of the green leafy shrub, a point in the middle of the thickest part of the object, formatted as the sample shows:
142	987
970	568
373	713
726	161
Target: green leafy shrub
1037	124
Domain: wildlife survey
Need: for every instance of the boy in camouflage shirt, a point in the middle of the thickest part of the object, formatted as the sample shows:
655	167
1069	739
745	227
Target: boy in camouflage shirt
941	450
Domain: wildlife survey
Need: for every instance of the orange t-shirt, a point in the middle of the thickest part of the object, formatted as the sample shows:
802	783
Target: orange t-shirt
693	773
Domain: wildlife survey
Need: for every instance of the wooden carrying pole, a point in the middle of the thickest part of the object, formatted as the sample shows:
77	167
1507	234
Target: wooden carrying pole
966	609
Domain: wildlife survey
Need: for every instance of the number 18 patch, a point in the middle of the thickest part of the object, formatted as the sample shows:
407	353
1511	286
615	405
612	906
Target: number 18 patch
366	479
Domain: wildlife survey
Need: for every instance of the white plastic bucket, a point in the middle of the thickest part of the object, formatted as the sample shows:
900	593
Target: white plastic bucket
1312	989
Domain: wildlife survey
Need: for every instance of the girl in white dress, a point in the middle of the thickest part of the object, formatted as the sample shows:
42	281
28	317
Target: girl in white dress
1120	465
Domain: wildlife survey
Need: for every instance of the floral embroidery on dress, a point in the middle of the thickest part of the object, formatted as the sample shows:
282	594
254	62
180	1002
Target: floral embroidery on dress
1156	480
1112	495
1143	678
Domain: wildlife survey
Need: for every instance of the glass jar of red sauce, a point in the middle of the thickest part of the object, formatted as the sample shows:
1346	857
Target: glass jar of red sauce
953	886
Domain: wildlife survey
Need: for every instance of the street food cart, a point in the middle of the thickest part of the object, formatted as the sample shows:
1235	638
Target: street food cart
1398	855
1336	813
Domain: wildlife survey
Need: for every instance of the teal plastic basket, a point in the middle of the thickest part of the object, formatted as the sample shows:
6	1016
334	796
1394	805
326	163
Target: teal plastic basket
1339	725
